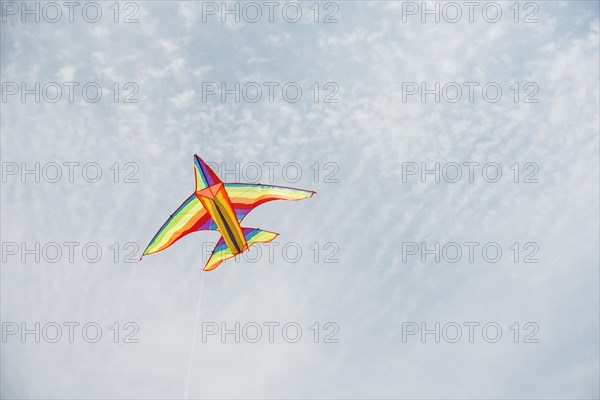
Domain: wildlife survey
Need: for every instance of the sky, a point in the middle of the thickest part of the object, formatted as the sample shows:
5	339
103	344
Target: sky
451	250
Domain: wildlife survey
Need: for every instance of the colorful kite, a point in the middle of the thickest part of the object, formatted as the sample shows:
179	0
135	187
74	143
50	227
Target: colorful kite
219	206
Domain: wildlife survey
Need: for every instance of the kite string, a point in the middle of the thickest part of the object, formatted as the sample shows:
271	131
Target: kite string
195	332
187	384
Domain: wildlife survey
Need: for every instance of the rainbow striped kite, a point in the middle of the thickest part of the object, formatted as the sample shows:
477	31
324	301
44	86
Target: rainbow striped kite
219	206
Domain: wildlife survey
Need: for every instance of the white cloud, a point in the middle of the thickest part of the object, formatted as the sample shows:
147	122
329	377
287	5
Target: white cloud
66	73
168	45
184	99
367	136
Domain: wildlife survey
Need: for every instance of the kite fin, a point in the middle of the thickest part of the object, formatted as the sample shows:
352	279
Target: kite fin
205	176
222	252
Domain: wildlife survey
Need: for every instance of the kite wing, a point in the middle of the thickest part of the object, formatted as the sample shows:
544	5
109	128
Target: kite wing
189	217
245	197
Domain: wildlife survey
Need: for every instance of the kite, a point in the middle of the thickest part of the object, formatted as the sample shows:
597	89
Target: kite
218	206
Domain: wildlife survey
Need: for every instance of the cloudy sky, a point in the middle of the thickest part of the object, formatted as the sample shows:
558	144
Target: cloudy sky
415	272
